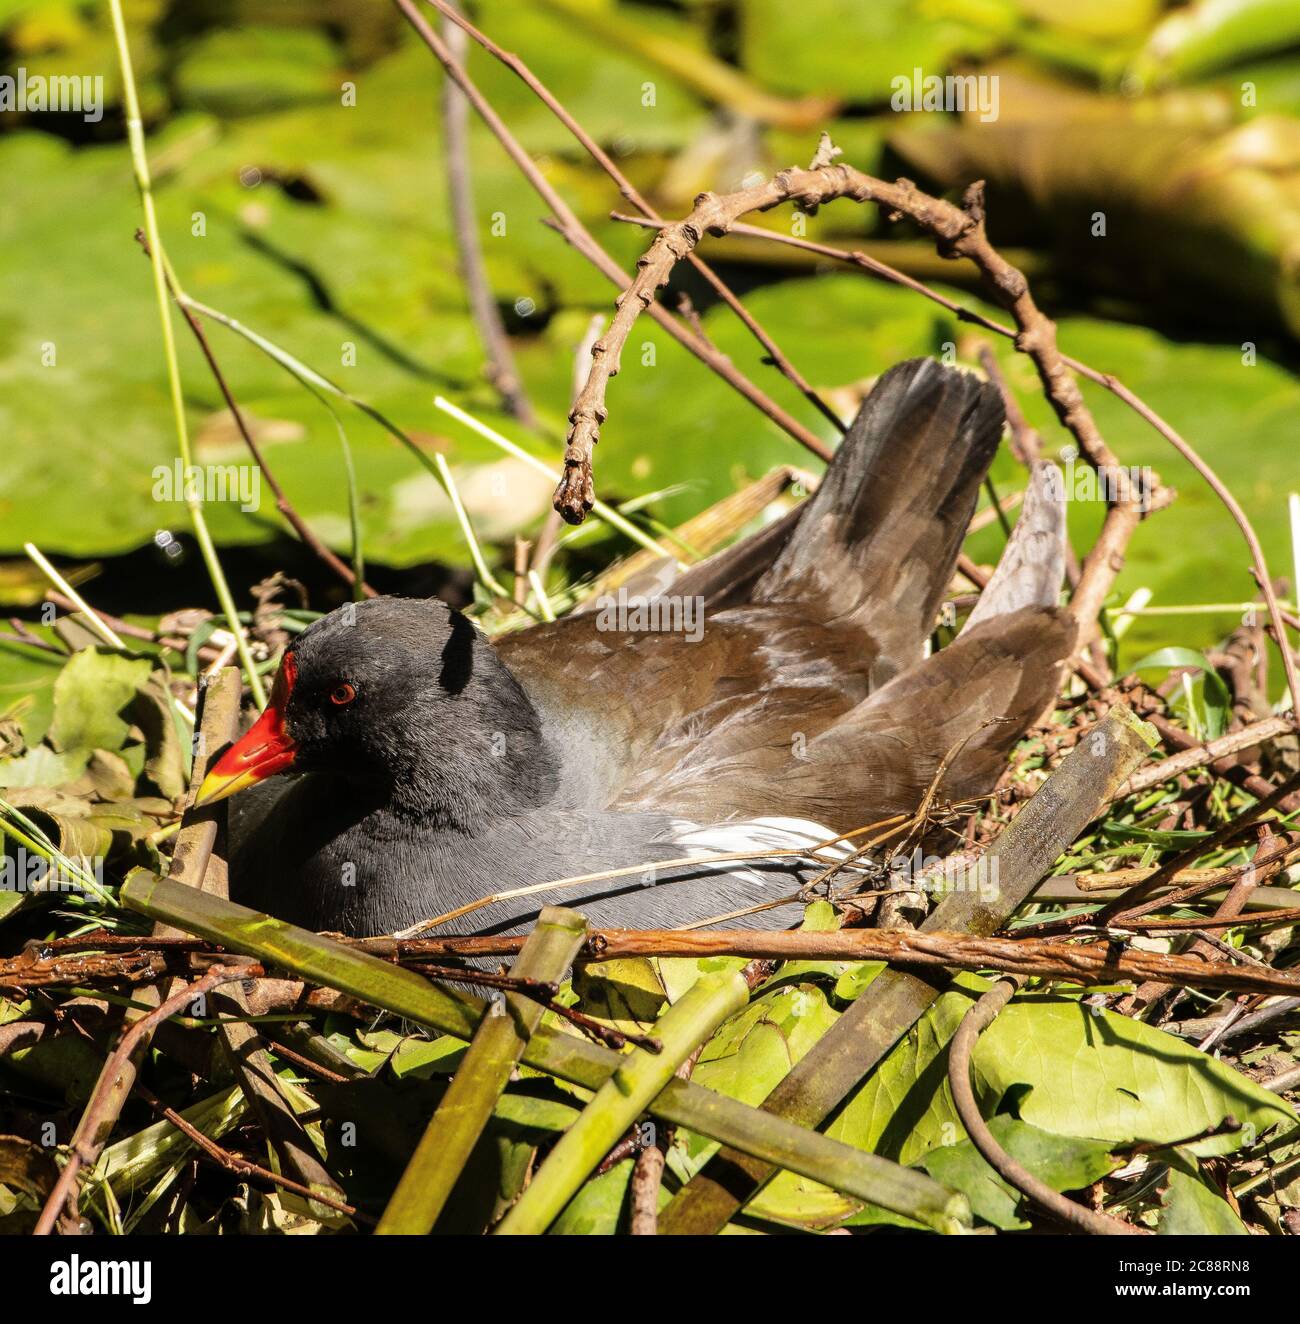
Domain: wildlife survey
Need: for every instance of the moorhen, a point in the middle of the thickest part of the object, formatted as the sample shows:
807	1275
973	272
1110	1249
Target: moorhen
431	767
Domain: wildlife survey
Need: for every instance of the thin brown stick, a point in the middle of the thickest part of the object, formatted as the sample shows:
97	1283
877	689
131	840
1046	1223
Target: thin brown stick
647	1173
282	502
500	370
549	537
625	186
1139	902
1026	444
243	1167
1250	782
576	234
208	652
1093	962
1270	848
1261	920
1198	756
1073	1215
958	231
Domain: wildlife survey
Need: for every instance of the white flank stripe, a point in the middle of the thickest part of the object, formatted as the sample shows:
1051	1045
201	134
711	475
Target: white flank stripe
753	836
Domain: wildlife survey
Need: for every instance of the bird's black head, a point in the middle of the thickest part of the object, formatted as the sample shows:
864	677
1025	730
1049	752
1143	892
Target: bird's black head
408	701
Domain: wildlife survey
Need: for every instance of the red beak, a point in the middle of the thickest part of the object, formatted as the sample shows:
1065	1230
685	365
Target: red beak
263	750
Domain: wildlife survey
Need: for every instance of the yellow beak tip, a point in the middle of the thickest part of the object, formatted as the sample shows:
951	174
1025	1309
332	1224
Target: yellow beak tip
216	788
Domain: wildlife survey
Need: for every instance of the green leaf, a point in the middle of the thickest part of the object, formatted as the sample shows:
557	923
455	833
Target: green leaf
90	696
598	1206
43	767
167	761
1065	1163
873	43
1191	1207
1215	34
1089	1073
251	70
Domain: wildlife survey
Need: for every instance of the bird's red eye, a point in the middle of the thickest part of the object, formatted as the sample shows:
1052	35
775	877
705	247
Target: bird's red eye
342	694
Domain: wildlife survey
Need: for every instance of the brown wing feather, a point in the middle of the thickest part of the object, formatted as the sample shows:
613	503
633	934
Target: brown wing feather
806	695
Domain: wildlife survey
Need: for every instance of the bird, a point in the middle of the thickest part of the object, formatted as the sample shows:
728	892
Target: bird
408	769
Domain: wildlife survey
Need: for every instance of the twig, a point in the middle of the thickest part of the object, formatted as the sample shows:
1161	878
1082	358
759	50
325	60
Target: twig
22	635
548	538
1116	532
1271	848
282	502
1135	903
1026	444
959	232
1092	962
1252	783
243	1167
1284	1083
85	1152
647	1174
976	1020
1201	754
500	369
208	652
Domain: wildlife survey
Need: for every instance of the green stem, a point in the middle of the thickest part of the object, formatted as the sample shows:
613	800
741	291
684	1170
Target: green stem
140	161
484	1072
101	628
310	377
764	1136
637	1079
605	512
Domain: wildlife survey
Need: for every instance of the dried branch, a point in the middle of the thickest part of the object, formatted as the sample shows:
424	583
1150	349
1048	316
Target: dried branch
1270	848
1201	754
500	368
246	1168
1121	522
958	231
1085	963
1252	783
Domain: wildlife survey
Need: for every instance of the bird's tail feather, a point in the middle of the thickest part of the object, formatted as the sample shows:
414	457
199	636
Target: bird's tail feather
1032	567
875	547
